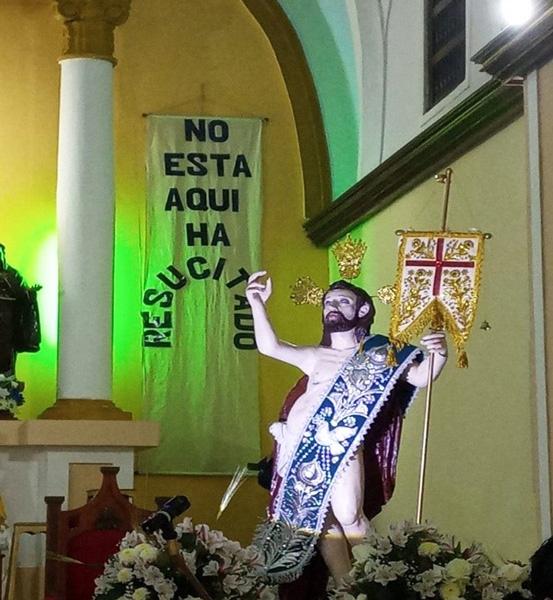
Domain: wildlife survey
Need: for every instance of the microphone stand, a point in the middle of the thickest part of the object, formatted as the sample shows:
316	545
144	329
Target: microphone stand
178	562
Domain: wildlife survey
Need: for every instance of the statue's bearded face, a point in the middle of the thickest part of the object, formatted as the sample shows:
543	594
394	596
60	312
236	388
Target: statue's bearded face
340	310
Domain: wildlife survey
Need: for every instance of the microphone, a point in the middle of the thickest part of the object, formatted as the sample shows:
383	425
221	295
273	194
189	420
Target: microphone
264	469
162	519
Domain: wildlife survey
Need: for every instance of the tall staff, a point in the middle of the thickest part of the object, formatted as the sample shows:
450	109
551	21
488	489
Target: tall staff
444	178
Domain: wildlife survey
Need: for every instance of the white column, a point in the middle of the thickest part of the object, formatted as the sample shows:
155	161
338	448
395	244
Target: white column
537	269
85	213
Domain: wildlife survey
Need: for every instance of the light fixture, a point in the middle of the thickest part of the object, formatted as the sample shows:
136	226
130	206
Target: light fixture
517	12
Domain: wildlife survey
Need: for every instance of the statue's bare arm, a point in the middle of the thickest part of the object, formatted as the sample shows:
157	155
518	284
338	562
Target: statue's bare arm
435	344
257	293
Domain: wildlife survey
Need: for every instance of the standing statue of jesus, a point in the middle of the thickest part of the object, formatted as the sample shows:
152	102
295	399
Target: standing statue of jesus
353	401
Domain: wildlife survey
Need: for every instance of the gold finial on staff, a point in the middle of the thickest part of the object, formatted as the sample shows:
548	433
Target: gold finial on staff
445	178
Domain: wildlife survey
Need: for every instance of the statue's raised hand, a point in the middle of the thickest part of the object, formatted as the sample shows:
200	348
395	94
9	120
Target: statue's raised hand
259	287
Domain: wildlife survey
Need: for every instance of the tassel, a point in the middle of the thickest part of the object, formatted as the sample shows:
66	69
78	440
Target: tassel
361	349
391	360
462	360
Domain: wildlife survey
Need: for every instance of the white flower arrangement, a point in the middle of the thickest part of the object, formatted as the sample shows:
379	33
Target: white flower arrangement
142	569
415	562
11	397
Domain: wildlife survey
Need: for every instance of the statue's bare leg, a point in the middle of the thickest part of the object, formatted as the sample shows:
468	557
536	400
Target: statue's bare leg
347	501
334	548
345	524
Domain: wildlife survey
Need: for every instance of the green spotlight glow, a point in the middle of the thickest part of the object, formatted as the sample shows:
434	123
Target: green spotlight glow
46	275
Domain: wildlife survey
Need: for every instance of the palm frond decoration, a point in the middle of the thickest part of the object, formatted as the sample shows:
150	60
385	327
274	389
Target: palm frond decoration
237	480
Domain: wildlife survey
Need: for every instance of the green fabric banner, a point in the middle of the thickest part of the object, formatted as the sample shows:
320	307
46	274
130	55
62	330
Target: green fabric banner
203	227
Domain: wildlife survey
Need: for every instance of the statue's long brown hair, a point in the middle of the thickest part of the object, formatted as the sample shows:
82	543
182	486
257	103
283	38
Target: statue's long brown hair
363	326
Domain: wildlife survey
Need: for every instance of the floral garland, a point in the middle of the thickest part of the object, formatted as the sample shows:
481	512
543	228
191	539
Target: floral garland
142	569
11	397
415	562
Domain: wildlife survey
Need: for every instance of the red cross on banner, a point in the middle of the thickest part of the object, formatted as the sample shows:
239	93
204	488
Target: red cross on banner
438	264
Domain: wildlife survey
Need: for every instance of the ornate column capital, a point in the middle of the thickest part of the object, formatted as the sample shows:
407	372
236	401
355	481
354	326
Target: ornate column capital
89	26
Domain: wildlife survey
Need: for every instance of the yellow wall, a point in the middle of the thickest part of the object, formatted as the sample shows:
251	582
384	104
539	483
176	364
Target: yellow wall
30	44
482	464
202	57
209	58
224	66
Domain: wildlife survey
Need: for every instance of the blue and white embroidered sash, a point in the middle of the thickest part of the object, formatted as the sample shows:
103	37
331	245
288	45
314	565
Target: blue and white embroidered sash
331	437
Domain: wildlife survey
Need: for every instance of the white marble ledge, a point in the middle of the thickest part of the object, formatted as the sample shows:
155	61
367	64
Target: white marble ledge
116	434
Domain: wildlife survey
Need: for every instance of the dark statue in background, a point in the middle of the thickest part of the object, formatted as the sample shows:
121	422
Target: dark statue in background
19	320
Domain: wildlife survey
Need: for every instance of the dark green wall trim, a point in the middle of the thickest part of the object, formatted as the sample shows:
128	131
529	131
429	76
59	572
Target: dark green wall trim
515	51
482	114
304	100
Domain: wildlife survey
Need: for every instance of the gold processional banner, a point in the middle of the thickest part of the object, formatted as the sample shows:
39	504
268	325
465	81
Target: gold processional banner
437	285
